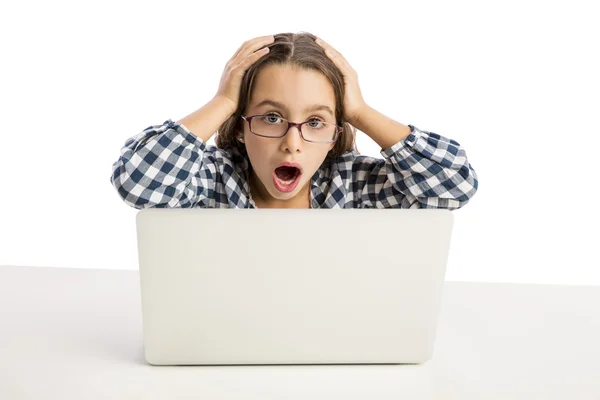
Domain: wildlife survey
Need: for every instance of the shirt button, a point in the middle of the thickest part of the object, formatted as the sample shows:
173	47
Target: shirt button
411	137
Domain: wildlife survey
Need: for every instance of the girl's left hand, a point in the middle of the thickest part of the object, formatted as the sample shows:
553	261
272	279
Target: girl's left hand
354	103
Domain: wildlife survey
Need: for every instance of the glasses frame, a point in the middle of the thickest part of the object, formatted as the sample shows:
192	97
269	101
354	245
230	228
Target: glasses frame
338	129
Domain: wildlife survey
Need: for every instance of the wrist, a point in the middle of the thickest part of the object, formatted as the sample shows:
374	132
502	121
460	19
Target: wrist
225	103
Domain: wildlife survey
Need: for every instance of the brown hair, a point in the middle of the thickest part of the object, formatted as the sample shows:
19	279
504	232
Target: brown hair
295	50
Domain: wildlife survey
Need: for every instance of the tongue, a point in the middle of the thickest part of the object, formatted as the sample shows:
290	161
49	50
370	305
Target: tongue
286	173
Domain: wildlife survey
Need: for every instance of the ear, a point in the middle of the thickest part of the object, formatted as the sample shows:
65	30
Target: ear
239	131
240	136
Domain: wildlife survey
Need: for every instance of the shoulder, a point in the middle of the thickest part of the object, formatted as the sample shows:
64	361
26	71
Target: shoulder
352	161
227	160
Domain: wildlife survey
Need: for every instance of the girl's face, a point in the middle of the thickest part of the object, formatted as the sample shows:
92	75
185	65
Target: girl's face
297	91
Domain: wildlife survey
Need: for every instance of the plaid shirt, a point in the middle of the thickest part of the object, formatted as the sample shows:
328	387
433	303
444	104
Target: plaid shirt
167	166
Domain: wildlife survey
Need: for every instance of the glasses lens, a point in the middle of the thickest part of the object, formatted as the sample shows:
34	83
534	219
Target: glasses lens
269	125
318	131
314	130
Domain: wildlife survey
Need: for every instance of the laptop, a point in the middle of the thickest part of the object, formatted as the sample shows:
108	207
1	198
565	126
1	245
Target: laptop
291	286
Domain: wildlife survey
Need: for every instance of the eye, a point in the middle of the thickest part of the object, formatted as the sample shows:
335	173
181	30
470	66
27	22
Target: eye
270	115
273	115
317	121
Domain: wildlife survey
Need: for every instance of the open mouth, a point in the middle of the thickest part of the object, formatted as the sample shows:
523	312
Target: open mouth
286	178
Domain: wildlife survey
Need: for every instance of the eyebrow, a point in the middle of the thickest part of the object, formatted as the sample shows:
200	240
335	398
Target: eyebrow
314	107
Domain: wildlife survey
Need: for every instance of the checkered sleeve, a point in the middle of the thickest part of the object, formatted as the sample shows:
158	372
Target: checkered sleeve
162	167
424	170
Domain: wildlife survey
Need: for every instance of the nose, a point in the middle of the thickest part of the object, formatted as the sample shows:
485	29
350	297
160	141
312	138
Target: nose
292	139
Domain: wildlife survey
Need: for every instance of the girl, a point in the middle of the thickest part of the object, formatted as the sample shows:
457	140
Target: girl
286	112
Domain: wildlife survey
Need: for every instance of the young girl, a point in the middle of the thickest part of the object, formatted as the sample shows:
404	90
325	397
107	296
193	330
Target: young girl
286	112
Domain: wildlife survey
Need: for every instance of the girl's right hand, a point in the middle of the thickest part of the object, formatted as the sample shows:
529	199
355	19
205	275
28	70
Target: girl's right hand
244	57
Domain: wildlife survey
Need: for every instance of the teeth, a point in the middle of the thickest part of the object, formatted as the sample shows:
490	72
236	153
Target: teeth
286	182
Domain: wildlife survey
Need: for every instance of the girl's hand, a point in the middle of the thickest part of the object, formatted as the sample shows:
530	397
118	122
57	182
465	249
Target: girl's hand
244	57
354	103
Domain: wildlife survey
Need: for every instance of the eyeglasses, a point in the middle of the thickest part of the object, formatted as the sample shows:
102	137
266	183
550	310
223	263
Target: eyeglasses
320	132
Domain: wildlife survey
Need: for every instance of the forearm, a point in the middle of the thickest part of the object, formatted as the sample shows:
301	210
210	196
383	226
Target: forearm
383	130
205	121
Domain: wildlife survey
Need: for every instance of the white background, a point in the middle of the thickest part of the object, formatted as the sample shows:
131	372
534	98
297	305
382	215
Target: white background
515	83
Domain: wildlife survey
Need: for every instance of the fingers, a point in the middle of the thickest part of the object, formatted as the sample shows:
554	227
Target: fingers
250	46
329	50
334	55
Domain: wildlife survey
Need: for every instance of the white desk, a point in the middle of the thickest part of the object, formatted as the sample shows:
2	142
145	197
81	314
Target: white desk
77	334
